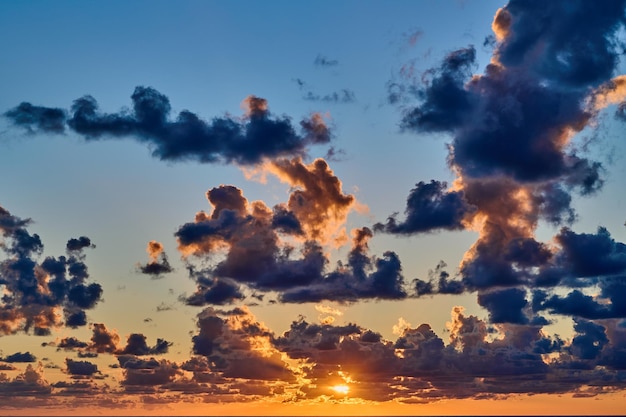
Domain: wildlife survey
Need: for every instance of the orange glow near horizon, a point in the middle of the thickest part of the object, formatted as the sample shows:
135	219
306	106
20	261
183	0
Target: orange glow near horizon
542	404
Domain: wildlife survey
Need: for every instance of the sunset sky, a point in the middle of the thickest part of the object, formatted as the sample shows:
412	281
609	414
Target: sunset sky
355	207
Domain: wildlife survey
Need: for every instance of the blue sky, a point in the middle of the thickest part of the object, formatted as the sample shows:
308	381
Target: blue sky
340	61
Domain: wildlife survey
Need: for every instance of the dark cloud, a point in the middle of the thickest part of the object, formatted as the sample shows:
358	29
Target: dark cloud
554	45
362	277
20	357
248	140
505	306
81	368
158	264
589	255
71	343
439	282
74	245
38	119
34	292
322	61
511	150
136	345
151	374
446	103
430	207
215	291
589	340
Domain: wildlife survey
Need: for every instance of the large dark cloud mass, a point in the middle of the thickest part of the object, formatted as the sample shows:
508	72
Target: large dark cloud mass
247	140
512	130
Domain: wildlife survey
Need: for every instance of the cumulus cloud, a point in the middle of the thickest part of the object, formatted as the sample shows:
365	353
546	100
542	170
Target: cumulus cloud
158	264
81	368
246	140
20	357
37	294
238	346
514	162
430	207
28	383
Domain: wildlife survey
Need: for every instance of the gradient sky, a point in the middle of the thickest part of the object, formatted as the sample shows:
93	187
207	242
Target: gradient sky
356	207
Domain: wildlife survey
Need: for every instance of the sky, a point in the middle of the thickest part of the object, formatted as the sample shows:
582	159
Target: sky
356	207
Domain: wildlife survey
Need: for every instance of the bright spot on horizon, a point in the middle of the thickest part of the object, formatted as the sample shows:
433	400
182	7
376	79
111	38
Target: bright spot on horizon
341	389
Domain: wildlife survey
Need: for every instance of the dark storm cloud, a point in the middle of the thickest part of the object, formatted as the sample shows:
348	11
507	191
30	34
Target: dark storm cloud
257	136
322	61
429	207
20	357
34	293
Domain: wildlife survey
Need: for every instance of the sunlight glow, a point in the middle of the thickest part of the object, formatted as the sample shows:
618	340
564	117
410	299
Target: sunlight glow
341	389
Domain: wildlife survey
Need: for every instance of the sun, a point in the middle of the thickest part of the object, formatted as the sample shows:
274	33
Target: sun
341	389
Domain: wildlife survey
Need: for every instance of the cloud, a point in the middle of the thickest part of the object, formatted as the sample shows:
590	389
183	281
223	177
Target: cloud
515	163
155	267
136	345
149	374
239	346
103	340
322	61
430	207
36	293
247	140
37	118
71	343
76	245
257	243
28	383
81	368
342	96
20	357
